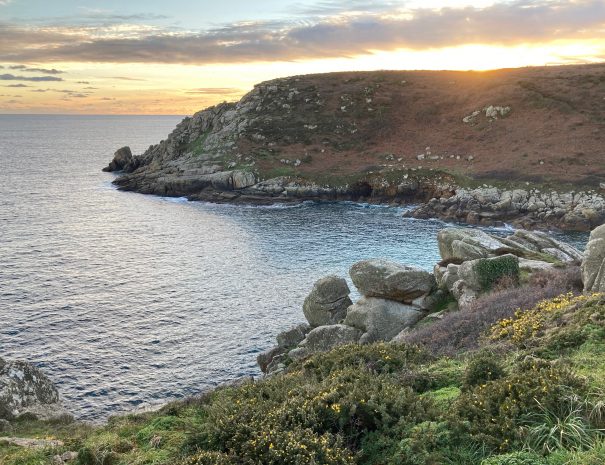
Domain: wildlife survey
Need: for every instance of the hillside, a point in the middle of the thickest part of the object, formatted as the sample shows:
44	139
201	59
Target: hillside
396	136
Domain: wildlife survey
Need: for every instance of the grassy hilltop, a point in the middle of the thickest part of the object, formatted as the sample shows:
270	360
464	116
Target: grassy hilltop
492	385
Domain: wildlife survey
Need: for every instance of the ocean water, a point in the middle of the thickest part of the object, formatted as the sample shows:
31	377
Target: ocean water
127	300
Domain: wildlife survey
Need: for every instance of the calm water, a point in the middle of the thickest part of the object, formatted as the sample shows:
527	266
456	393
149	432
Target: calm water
127	300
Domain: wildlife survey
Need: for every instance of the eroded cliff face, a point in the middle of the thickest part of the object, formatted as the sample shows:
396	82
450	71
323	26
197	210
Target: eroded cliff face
401	137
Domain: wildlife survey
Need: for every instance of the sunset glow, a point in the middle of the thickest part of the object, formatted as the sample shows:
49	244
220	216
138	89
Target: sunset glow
100	57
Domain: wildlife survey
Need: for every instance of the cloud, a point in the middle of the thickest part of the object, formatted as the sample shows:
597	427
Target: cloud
36	70
17	85
215	91
330	31
125	78
82	82
12	77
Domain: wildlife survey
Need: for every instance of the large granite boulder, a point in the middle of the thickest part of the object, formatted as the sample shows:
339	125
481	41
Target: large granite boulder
324	338
328	302
593	266
468	244
389	280
25	389
121	159
381	319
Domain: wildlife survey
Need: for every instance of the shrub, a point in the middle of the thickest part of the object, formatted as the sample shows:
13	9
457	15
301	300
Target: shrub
497	409
515	458
481	369
208	458
463	330
491	271
325	414
525	324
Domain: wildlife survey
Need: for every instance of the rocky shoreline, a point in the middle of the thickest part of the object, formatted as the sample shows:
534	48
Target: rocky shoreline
315	138
396	297
487	206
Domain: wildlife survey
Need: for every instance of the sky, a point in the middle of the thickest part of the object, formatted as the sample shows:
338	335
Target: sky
179	56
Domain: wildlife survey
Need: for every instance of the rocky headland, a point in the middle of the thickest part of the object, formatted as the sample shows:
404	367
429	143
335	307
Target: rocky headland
519	146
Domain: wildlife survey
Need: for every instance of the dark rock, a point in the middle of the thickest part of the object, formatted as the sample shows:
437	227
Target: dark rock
121	160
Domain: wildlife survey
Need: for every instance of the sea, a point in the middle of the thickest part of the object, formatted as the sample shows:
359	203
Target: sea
127	301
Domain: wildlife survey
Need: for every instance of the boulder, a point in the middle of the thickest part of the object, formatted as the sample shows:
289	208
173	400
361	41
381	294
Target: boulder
593	266
468	244
389	280
328	302
381	319
121	159
25	389
324	338
293	336
264	359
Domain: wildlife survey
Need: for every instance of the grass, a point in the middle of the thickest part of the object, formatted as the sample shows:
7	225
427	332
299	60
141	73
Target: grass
391	404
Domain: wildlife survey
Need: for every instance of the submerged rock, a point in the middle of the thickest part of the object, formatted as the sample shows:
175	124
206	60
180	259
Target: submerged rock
593	266
389	280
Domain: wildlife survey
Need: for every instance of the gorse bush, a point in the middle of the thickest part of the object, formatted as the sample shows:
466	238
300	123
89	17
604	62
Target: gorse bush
496	410
482	368
525	324
515	458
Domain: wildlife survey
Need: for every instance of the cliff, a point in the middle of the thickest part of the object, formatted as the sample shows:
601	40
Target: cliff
399	136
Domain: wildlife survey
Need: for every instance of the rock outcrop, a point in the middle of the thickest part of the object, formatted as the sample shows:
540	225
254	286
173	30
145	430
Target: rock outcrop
328	302
122	161
530	209
389	280
24	389
324	338
593	267
395	297
381	319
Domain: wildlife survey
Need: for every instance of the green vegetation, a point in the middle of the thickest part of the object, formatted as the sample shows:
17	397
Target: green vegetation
531	395
197	146
494	270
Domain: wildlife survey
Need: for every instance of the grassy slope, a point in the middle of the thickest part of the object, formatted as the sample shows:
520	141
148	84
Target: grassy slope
383	404
369	122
